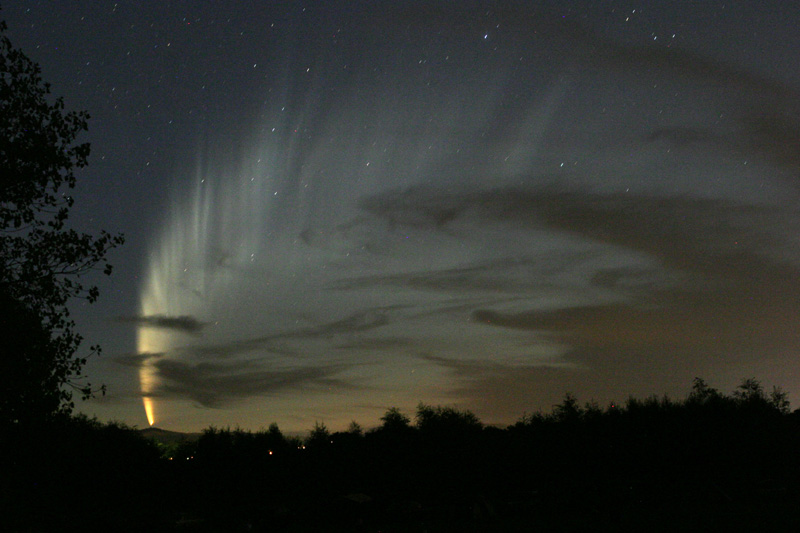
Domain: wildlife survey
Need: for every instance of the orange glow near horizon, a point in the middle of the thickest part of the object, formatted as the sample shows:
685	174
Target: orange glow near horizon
149	342
148	409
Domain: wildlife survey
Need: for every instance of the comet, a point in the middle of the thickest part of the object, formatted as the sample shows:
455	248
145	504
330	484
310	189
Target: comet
197	264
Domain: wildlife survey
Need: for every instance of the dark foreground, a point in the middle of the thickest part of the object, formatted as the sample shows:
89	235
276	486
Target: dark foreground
709	463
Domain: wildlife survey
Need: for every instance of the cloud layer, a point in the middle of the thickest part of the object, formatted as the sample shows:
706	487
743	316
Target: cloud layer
490	216
185	323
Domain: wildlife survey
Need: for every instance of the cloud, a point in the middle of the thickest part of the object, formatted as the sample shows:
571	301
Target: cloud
213	385
774	133
482	276
358	322
281	342
713	279
136	360
706	280
682	231
726	255
568	35
214	375
717	295
184	323
374	344
764	109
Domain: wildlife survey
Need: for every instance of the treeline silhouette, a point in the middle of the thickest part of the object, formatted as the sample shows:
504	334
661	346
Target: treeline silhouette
707	462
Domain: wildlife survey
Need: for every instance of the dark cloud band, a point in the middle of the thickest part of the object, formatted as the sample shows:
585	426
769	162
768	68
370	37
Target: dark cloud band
185	323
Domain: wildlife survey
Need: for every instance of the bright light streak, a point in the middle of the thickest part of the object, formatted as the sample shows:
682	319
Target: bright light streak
255	229
148	409
210	237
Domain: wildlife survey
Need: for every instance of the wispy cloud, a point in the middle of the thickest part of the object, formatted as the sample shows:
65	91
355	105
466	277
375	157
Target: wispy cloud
373	344
136	360
638	287
184	323
218	384
283	342
718	295
217	374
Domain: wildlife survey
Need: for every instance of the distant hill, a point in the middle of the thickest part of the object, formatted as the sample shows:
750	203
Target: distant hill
168	437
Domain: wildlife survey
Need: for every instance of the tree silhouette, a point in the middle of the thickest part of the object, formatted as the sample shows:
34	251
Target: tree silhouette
319	436
568	410
711	461
42	261
444	418
395	421
355	429
446	422
702	393
30	382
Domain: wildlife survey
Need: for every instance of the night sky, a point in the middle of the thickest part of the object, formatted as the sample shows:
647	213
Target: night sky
332	208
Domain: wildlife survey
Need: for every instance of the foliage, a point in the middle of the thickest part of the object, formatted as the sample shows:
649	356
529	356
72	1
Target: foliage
569	409
779	399
33	389
355	429
319	435
711	461
442	421
274	431
64	466
702	393
42	260
394	420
